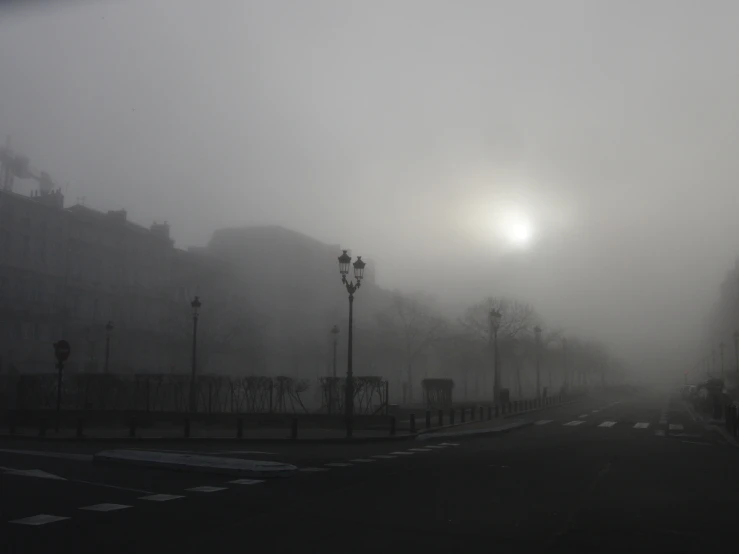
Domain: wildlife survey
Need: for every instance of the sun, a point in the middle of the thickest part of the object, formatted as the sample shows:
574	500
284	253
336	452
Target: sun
518	230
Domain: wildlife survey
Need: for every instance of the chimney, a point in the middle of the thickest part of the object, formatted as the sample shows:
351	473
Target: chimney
117	215
160	230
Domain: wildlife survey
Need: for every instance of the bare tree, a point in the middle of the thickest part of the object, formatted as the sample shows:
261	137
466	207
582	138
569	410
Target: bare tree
416	323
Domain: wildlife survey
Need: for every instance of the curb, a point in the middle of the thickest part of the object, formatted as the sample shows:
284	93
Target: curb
201	440
476	432
731	441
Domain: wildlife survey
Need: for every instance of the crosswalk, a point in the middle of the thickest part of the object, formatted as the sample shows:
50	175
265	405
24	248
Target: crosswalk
661	428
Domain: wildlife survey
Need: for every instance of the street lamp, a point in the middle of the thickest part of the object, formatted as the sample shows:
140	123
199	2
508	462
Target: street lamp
335	333
495	318
195	305
537	332
721	351
736	349
351	287
564	362
108	332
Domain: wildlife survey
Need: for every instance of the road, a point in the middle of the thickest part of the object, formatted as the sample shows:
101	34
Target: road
608	474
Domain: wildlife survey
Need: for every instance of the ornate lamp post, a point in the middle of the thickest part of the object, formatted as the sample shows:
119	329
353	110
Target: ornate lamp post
335	333
537	333
495	318
195	305
351	288
108	332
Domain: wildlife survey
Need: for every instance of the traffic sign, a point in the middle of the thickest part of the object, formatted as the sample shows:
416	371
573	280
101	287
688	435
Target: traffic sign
62	350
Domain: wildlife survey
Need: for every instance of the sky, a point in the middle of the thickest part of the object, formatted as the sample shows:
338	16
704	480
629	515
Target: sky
580	155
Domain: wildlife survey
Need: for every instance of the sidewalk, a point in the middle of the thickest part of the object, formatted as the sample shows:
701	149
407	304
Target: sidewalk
479	428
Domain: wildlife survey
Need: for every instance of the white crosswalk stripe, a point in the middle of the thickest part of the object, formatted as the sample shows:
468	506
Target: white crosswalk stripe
419	450
41	519
161	497
256	481
384	457
361	460
303	469
607	424
206	489
338	464
583	416
402	453
105	507
676	427
641	426
574	423
543	422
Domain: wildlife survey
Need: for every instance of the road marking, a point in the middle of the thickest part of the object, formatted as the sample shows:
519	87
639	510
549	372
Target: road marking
312	469
543	422
362	460
34	473
641	425
338	464
596	411
607	424
701	443
420	450
61	455
583	416
161	497
240	452
105	485
384	457
402	453
105	507
206	489
41	519
449	443
574	423
436	446
256	481
660	432
676	427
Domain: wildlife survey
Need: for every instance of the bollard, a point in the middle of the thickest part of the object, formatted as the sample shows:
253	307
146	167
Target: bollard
428	419
239	428
413	423
80	427
43	424
11	423
462	415
482	413
472	413
451	416
515	406
187	427
441	418
490	412
392	425
132	427
497	411
294	429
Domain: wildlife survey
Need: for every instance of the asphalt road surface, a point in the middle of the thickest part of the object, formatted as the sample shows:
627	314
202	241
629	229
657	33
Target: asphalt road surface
608	474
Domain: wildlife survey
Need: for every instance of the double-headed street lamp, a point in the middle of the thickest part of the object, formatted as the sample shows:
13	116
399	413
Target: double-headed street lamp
537	332
495	318
721	347
195	305
736	350
335	333
108	332
351	287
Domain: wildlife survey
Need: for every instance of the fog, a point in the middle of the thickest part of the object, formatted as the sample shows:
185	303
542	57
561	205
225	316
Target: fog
422	134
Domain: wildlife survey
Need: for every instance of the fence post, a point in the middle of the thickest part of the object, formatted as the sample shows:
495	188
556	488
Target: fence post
490	412
43	424
497	411
294	429
462	414
80	427
132	427
392	425
482	413
413	423
239	428
11	422
428	419
472	413
187	427
451	416
441	418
